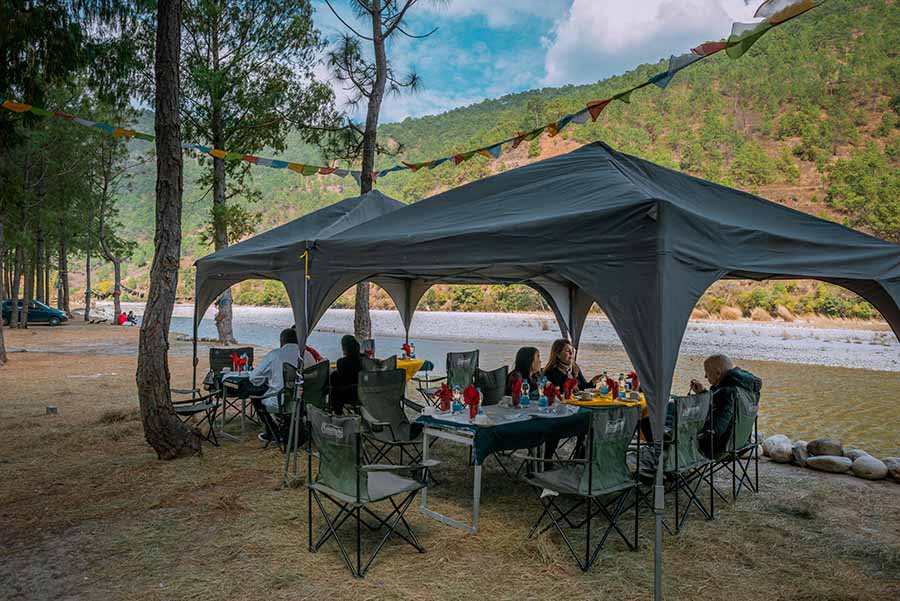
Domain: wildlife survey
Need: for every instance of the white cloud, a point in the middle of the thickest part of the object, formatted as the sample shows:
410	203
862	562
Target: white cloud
499	13
597	39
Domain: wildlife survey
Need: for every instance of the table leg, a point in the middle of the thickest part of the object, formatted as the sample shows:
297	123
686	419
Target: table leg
243	411
476	498
425	446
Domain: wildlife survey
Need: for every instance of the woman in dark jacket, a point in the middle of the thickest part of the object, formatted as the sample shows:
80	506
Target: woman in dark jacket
345	379
562	364
527	367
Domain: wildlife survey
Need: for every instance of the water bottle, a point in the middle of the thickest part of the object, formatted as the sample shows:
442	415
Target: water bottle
480	402
523	397
412	350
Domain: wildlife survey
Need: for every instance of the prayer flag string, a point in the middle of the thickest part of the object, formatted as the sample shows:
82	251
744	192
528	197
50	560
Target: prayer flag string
743	35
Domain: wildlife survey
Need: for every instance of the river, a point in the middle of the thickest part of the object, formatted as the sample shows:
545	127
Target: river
842	383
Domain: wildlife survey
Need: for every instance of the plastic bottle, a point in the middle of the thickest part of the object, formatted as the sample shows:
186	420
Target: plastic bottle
480	401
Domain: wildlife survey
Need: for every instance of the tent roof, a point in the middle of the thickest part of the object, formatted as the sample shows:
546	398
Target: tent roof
278	251
556	209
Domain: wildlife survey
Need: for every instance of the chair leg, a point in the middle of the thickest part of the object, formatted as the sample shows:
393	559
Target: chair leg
333	534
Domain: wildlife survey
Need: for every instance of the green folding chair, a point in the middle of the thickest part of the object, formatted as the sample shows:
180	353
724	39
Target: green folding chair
352	486
369	364
601	484
741	451
381	407
492	384
685	466
460	372
314	395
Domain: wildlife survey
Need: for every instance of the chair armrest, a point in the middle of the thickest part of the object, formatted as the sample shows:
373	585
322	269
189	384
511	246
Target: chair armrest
382	467
185	390
412	404
431	380
374	424
542	460
194	401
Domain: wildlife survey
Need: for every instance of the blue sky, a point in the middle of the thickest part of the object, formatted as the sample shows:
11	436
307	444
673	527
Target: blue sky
488	48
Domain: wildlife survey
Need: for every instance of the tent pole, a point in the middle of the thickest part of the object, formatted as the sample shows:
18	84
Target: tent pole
194	345
658	507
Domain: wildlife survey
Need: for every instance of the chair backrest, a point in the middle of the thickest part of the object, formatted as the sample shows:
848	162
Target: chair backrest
492	384
461	368
380	392
367	346
369	364
288	397
745	412
689	420
315	385
221	357
612	430
337	439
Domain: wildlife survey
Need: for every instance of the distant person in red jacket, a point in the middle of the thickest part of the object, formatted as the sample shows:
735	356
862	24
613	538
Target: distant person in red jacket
121	319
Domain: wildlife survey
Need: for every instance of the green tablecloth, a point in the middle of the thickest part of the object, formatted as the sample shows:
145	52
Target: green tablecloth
517	435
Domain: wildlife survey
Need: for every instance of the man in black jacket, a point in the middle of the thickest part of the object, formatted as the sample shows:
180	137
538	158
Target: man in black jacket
731	386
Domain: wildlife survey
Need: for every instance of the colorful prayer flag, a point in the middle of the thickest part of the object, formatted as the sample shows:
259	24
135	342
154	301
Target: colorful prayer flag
16	107
595	108
743	36
707	48
219	154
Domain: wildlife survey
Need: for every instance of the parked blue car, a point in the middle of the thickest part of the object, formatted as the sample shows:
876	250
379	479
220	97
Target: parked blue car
37	313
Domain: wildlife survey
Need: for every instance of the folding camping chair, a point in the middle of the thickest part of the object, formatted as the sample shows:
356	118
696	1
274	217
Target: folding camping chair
601	483
492	384
219	358
685	466
367	347
204	407
381	407
742	450
460	372
279	409
370	364
353	486
314	395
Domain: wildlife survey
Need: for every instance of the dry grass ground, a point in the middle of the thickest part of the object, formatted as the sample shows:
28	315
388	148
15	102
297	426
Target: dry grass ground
88	512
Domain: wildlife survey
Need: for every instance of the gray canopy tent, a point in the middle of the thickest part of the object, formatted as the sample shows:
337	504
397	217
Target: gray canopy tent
593	225
279	254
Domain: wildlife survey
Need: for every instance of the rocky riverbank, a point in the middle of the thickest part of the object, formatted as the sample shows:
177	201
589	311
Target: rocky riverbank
828	455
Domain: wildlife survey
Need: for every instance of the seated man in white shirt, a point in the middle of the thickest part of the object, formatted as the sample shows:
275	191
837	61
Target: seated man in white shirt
268	376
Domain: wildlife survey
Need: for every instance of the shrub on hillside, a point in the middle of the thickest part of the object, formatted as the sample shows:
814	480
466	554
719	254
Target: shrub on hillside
730	313
516	297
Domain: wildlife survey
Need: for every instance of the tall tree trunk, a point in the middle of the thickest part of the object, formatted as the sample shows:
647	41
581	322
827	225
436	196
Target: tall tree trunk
362	319
3	296
39	265
224	325
62	291
29	289
168	436
223	320
47	277
87	283
110	256
14	291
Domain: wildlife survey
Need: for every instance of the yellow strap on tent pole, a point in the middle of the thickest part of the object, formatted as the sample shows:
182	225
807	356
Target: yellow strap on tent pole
305	257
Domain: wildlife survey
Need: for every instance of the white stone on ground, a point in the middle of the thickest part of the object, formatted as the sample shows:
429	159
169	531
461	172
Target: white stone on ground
799	453
893	466
771	440
825	446
829	463
854	454
781	450
869	467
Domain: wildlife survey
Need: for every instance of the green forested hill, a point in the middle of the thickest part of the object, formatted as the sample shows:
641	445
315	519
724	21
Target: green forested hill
808	117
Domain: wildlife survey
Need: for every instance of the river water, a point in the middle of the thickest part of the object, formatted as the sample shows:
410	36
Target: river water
817	382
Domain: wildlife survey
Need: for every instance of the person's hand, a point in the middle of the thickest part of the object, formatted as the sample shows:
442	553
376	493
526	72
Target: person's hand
697	387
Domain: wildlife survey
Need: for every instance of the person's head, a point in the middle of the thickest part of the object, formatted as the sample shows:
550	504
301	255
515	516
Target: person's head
350	346
562	351
288	336
716	366
528	361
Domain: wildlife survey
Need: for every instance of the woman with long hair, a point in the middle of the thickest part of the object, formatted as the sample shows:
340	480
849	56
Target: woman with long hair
561	365
527	367
345	378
